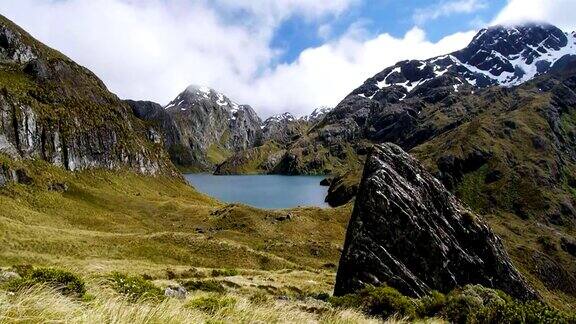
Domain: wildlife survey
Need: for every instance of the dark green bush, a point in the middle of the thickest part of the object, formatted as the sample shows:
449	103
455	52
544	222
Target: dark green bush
430	305
135	287
224	272
382	301
211	304
63	281
460	307
471	304
477	304
204	285
533	312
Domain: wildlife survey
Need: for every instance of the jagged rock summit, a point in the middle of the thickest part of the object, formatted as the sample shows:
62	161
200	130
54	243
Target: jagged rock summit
202	127
499	55
317	114
409	232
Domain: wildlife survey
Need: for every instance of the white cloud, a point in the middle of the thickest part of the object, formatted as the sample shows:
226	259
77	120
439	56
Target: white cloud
324	75
447	8
153	49
557	12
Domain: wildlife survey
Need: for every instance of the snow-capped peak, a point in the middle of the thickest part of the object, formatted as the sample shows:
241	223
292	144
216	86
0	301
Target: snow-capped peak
317	114
280	117
194	95
506	56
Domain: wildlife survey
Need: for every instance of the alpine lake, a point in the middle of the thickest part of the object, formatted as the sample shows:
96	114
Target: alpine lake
262	191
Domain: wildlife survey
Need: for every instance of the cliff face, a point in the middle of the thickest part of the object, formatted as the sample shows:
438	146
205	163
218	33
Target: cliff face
409	232
53	109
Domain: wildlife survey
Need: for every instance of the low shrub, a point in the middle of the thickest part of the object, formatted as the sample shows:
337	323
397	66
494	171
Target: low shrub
470	304
430	305
382	301
212	303
224	272
63	281
477	304
135	287
204	285
534	312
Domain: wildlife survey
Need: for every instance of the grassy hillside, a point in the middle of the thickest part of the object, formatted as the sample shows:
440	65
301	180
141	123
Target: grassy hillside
97	222
124	218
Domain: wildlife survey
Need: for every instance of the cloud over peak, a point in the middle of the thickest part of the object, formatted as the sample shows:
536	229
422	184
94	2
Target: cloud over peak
447	8
152	49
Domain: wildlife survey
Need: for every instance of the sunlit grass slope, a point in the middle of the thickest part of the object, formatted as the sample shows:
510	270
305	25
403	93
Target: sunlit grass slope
125	219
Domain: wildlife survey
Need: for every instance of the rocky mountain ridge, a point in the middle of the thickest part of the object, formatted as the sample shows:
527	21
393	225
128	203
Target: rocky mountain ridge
505	56
203	128
393	105
56	110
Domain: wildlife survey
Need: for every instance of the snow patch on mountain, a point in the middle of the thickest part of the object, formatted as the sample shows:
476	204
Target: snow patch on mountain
505	56
317	114
195	95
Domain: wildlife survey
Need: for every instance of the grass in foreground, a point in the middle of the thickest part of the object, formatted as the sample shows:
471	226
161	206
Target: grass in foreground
40	305
37	295
121	298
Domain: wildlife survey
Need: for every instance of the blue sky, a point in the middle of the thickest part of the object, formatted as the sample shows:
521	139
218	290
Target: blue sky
276	55
380	16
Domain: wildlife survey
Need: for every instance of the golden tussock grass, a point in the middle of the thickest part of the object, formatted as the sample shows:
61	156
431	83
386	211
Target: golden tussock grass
41	305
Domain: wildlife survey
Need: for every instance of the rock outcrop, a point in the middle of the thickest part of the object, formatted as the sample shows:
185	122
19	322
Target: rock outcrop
342	188
159	120
283	129
55	110
409	232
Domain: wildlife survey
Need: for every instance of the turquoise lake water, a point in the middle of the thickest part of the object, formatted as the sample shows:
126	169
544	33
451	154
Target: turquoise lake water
262	191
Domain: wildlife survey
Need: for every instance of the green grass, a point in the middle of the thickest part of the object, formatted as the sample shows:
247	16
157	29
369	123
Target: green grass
104	303
132	235
120	217
217	154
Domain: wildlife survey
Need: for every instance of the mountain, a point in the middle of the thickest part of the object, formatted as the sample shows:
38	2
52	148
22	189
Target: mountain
202	127
279	132
56	110
284	128
507	150
205	130
506	56
393	105
317	115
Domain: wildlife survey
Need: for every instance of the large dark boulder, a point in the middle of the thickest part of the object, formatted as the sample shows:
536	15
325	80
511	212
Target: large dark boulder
409	232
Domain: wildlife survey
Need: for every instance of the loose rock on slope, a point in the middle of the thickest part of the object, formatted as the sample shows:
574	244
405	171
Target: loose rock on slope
409	232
